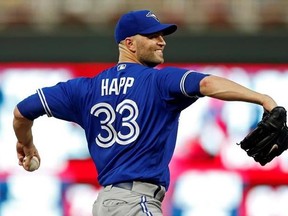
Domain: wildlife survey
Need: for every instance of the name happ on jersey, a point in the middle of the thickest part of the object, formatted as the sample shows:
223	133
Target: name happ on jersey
114	86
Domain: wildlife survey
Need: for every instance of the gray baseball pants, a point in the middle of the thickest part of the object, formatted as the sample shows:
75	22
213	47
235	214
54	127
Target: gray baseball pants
129	199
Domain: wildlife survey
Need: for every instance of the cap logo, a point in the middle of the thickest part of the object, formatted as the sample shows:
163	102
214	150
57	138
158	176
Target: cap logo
150	14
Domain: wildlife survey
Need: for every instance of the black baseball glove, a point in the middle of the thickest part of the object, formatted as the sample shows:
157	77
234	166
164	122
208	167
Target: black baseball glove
269	139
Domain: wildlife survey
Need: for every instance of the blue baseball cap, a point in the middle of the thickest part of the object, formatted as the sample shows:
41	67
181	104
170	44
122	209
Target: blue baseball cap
141	22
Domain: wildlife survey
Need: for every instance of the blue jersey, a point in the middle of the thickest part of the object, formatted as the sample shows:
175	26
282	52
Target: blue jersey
130	116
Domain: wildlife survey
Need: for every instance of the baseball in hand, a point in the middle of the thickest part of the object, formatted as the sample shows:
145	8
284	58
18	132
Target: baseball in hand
34	163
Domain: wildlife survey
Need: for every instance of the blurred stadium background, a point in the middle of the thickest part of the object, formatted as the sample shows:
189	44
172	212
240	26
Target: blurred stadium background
43	42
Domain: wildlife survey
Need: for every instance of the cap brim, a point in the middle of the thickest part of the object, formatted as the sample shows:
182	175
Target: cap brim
166	29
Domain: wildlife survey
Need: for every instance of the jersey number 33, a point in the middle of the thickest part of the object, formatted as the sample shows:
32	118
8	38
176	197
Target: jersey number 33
128	121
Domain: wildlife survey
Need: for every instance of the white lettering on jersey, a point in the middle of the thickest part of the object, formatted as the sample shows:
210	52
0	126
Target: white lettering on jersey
104	87
114	86
108	135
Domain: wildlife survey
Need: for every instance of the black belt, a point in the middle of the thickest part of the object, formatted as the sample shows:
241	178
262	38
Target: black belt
129	186
124	185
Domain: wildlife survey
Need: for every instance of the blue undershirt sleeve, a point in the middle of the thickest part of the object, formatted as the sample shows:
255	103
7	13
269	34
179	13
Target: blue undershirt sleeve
31	107
192	81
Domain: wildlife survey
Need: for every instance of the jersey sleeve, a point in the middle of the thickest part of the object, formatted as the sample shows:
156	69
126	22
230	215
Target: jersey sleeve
175	83
61	101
